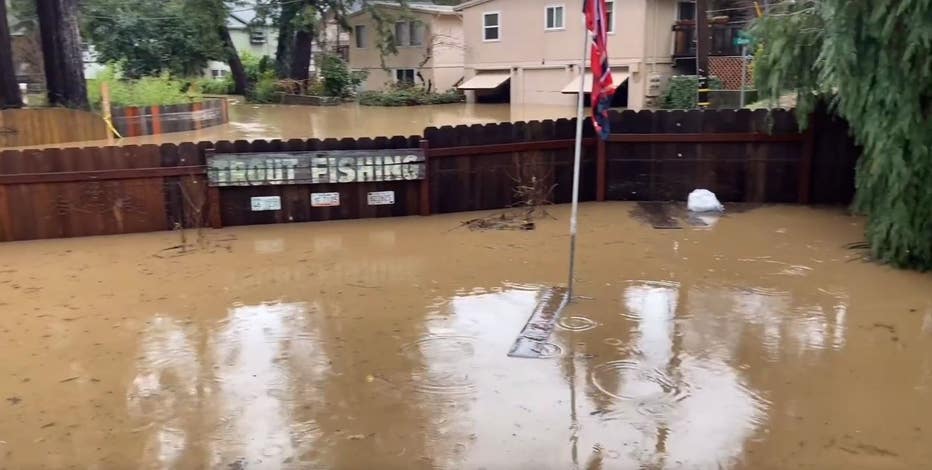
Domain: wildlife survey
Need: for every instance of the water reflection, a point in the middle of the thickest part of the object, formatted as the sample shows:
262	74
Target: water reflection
241	387
251	122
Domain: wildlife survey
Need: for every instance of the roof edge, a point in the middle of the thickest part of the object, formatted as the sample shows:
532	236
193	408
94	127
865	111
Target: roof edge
469	4
411	7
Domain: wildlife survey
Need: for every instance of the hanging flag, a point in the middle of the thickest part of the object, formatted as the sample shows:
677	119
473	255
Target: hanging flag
602	86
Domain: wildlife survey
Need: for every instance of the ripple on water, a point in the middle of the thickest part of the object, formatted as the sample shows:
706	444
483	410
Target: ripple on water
445	364
629	380
649	298
576	323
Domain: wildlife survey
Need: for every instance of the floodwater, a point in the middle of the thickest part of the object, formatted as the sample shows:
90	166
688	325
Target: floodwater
759	342
252	121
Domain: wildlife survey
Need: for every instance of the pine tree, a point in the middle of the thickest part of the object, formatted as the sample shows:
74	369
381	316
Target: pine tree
872	62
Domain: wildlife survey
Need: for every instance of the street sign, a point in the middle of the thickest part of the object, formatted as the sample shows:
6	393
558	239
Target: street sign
742	41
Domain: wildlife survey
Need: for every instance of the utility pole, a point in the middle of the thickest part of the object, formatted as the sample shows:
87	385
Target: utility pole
703	38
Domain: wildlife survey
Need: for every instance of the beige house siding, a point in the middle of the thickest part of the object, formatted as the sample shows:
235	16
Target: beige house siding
543	61
439	60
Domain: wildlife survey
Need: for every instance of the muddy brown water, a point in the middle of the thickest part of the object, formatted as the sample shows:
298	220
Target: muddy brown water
269	121
759	341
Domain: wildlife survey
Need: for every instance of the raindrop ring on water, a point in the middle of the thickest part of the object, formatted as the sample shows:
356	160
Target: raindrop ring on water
576	323
634	382
448	372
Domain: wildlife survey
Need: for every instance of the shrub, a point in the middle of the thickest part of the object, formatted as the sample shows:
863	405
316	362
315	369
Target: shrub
211	86
681	93
409	96
264	89
338	80
146	91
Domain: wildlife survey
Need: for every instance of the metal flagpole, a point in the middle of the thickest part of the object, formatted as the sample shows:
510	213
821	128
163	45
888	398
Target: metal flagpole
579	129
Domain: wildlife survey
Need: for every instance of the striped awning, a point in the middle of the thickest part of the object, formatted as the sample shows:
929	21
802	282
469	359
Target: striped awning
486	81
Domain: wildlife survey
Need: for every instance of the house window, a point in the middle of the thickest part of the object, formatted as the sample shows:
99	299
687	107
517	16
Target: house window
610	16
257	37
218	73
416	33
491	26
409	33
359	33
554	17
402	34
404	76
686	11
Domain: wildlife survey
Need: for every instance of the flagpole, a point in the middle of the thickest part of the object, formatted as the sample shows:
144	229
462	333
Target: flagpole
579	131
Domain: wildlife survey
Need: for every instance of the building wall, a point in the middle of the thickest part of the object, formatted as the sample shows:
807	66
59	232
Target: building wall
448	53
642	36
441	54
241	40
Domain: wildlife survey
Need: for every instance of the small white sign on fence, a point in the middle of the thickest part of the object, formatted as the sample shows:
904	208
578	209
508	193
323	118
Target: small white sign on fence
381	198
325	199
266	203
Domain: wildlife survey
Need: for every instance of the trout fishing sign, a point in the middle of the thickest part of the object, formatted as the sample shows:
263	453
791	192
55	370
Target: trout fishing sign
315	167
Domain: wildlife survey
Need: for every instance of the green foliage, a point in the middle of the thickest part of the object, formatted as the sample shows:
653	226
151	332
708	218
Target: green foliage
872	63
211	86
145	91
150	37
682	91
409	96
265	88
256	67
338	80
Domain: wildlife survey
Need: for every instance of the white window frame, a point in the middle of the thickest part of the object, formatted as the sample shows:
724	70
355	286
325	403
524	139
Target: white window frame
611	24
499	26
562	7
357	36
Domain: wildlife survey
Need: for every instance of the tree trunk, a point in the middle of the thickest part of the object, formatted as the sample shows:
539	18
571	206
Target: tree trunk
9	89
301	55
240	80
285	39
61	52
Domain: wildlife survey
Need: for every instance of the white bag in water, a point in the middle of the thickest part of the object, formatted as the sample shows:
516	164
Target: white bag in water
703	200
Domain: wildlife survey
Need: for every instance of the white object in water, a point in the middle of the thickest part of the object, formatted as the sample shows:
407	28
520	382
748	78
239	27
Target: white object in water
703	200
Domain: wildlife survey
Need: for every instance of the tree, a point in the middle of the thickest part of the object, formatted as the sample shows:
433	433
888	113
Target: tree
61	52
872	63
299	22
149	37
178	36
9	89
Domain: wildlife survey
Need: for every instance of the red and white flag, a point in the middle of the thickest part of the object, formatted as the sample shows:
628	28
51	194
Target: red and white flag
602	86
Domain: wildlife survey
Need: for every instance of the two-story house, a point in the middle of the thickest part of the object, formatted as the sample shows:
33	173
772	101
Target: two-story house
428	39
529	51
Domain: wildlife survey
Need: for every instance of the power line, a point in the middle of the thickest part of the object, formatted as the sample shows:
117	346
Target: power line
178	17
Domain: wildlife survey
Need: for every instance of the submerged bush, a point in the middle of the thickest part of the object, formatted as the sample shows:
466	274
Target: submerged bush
409	96
211	86
338	80
265	89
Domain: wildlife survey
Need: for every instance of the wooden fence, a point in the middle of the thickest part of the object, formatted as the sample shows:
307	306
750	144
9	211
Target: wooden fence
742	156
46	126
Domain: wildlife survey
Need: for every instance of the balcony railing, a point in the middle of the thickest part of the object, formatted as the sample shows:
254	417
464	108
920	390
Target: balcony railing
723	39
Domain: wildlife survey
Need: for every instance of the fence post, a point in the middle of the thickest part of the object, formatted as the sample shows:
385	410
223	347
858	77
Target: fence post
213	196
600	170
425	182
805	163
